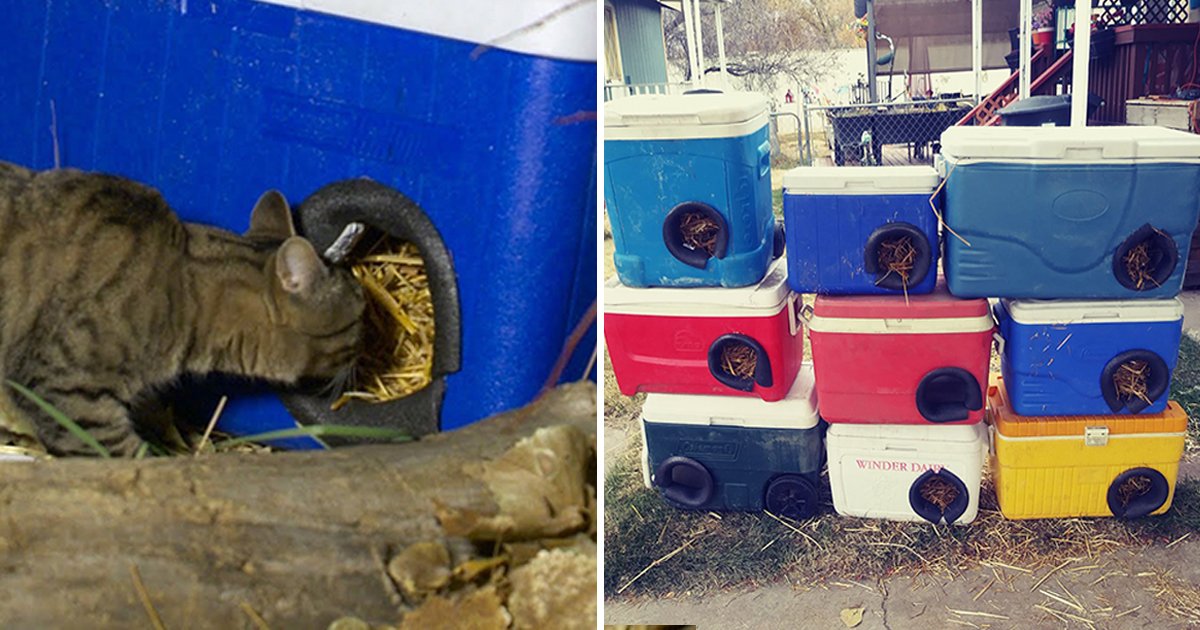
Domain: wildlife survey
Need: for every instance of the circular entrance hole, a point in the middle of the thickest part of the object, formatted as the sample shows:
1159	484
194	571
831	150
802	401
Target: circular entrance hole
1146	259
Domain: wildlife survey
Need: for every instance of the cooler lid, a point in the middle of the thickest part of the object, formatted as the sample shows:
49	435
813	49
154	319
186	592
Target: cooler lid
1074	144
797	410
696	115
1008	424
923	433
766	297
860	180
936	312
1092	311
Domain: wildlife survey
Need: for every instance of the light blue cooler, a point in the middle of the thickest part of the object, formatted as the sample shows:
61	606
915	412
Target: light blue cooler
671	161
1052	212
839	220
1060	357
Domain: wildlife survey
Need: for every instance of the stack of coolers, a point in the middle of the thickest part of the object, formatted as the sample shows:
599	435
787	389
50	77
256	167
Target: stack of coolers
700	315
1084	234
901	365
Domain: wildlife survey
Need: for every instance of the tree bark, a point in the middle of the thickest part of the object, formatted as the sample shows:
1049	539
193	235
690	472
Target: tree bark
302	538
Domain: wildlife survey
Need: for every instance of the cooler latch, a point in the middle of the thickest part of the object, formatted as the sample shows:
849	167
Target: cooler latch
1095	436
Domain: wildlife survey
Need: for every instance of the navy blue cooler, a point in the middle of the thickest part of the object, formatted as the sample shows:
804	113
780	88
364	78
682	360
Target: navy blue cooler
734	453
687	187
1065	358
846	225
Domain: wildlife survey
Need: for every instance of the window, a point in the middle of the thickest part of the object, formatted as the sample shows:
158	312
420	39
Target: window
613	73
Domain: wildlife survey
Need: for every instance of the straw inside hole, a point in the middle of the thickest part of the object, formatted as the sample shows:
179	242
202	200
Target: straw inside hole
1130	380
939	492
1133	487
699	232
398	358
739	360
1141	261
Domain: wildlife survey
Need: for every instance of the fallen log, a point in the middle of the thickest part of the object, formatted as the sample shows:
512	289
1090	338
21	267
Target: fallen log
301	539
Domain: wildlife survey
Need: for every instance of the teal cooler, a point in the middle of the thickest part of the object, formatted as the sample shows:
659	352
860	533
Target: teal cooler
733	453
670	161
1053	212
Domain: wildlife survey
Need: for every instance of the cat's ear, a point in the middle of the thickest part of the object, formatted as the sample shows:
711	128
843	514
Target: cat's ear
271	219
298	266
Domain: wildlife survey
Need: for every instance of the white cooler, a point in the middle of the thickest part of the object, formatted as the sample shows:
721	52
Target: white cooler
878	470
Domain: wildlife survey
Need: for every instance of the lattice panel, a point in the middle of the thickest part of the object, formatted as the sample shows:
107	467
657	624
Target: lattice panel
1123	12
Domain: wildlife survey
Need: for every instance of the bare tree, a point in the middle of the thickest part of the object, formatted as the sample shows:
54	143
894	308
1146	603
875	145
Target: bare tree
769	40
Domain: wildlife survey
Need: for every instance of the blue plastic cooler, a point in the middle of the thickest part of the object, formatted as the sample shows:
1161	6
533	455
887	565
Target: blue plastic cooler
1060	357
670	161
839	220
1053	212
215	101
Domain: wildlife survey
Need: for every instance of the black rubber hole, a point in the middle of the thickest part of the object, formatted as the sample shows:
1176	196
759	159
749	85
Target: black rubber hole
898	254
740	362
1134	380
694	232
684	481
1146	259
948	395
939	492
1138	492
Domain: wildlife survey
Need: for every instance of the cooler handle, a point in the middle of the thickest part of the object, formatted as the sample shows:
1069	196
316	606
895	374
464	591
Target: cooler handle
793	314
764	159
999	341
806	313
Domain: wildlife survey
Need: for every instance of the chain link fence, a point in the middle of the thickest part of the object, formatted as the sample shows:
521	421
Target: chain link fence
878	134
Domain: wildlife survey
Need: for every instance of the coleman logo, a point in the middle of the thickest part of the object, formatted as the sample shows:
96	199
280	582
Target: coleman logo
711	450
685	341
892	466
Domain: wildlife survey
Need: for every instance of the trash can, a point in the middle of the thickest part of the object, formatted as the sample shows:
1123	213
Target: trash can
1046	109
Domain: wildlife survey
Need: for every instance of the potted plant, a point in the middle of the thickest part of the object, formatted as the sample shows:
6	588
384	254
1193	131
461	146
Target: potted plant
1043	26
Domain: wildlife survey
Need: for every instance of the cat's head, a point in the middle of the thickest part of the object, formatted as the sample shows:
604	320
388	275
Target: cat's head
317	309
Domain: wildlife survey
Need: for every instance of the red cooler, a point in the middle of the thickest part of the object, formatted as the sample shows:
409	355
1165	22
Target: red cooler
737	342
888	359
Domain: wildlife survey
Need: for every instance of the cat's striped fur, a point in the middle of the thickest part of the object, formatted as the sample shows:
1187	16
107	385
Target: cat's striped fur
106	296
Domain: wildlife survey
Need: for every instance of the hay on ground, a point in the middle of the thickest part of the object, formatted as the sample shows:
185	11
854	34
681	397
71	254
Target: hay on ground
398	359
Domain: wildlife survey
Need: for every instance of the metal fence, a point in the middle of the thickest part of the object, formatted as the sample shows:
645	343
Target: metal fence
879	133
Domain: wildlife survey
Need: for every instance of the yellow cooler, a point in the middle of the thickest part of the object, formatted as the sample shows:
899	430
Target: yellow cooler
1065	466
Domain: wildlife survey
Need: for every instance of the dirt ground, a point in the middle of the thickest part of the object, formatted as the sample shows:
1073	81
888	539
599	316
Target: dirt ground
1158	586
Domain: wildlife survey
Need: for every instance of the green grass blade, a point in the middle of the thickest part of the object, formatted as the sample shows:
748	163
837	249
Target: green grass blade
318	431
62	419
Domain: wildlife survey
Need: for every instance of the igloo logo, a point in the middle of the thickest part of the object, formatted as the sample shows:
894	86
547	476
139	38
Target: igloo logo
895	466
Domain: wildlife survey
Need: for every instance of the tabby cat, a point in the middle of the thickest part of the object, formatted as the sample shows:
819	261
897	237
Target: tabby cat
106	297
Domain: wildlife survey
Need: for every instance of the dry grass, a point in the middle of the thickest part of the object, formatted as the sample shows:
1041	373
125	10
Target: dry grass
939	492
699	232
897	256
1137	265
1130	381
400	324
738	360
